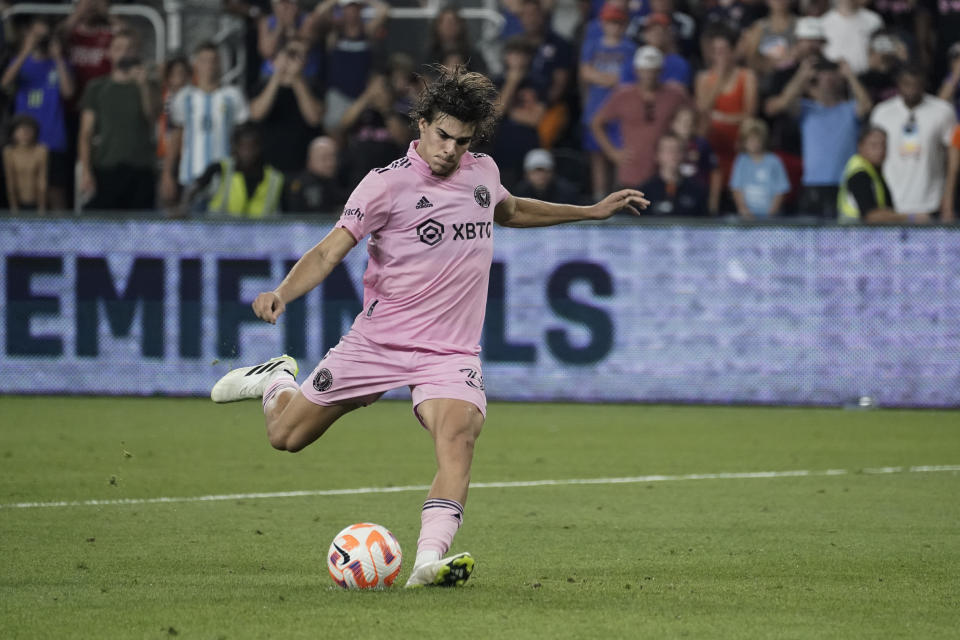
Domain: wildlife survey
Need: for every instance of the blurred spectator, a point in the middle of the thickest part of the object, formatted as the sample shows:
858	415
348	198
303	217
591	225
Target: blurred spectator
350	55
88	32
658	32
25	166
552	66
541	183
511	11
919	127
726	94
376	125
603	62
636	10
768	44
759	182
809	44
945	34
246	186
449	35
864	195
951	83
287	23
733	15
683	26
202	118
316	189
116	132
644	111
887	54
699	162
288	110
828	125
948	209
523	101
41	81
251	12
848	27
176	75
670	193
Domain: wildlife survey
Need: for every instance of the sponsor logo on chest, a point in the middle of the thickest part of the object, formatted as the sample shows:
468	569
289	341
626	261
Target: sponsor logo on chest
432	231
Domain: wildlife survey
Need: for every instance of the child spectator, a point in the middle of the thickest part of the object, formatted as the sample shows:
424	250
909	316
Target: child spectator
42	82
25	167
202	117
759	181
602	64
671	193
699	162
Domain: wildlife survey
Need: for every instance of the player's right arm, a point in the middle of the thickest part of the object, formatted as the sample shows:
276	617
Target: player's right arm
311	269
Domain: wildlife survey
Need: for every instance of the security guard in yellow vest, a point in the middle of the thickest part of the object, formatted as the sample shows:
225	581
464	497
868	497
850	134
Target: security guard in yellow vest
245	186
863	195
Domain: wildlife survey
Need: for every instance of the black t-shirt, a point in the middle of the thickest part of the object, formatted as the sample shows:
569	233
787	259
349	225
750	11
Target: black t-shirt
686	197
286	135
309	193
860	187
558	190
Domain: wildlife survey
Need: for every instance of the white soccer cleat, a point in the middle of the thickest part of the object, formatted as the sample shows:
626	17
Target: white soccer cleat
250	382
446	572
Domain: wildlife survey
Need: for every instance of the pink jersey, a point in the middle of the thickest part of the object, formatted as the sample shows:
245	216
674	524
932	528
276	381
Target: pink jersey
431	245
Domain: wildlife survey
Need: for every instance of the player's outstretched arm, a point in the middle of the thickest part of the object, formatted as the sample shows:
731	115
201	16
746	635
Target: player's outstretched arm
310	270
527	212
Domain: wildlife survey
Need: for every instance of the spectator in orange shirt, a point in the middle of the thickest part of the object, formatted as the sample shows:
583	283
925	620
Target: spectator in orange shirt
948	208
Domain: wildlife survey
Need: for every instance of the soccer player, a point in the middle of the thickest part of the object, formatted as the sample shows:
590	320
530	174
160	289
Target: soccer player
430	219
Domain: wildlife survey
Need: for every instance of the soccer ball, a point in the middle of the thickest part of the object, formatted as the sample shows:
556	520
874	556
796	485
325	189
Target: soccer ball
364	556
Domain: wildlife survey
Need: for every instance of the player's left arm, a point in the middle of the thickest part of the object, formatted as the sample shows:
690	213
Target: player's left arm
527	212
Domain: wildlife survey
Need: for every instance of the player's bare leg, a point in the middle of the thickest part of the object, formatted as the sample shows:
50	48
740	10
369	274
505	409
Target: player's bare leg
293	422
455	426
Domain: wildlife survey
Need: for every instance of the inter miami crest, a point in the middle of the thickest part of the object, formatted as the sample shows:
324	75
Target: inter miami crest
323	380
482	195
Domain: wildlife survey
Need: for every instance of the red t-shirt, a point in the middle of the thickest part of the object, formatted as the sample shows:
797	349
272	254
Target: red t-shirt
641	125
89	48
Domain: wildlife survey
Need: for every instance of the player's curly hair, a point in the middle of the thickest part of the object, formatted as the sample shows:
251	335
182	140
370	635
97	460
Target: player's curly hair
467	96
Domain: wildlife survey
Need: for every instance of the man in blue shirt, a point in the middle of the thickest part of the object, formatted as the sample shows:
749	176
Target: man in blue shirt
42	81
828	128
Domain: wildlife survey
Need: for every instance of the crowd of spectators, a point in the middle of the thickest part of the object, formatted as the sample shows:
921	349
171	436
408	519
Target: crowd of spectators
839	109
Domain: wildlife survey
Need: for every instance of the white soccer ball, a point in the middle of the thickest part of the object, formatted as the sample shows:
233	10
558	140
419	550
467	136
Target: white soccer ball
364	556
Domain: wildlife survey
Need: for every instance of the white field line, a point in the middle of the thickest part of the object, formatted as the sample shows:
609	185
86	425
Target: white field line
744	475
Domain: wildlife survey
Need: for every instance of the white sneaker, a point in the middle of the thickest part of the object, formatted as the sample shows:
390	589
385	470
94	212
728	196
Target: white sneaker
251	382
446	572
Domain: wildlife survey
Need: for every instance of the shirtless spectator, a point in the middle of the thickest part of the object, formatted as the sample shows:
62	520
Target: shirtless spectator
25	167
40	80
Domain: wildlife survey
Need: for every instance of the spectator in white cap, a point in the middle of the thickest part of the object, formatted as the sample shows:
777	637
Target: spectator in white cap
644	110
848	28
541	183
809	42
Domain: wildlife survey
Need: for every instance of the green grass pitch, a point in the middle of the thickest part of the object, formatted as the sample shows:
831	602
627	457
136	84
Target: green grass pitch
857	554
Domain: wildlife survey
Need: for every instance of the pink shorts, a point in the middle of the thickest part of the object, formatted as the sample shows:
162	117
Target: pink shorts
358	371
